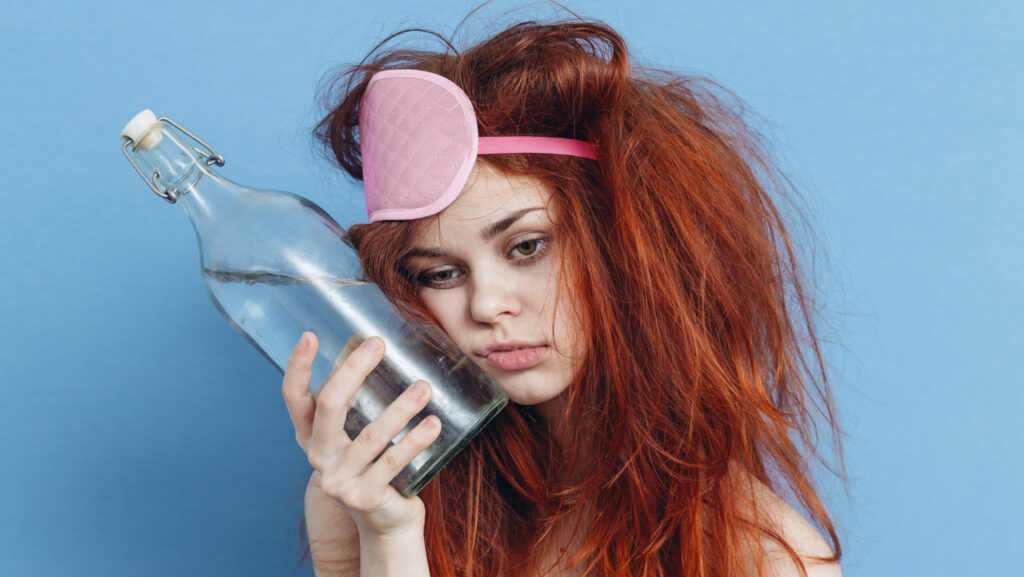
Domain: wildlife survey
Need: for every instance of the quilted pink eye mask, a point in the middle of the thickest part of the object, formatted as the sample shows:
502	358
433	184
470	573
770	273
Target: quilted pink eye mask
419	142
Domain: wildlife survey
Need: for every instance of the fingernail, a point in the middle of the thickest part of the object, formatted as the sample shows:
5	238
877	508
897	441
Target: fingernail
419	390
373	344
305	341
432	422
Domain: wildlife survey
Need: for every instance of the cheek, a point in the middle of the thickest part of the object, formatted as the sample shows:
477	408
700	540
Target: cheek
447	307
563	315
569	339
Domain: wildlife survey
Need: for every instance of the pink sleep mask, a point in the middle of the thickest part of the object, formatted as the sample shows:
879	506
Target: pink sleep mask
418	136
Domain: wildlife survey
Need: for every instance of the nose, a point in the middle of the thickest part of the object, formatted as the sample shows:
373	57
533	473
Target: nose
492	298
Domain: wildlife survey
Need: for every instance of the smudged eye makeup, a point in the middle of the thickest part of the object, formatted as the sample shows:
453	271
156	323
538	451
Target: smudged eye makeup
522	251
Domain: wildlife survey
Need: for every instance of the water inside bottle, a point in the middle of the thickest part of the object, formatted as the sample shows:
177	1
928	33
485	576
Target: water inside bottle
272	310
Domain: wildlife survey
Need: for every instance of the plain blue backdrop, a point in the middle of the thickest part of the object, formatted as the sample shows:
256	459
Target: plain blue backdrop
139	435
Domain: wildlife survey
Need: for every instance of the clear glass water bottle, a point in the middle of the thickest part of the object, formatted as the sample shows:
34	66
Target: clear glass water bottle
276	265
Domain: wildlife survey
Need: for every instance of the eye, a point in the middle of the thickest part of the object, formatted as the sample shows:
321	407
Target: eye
438	278
528	250
441	275
527	247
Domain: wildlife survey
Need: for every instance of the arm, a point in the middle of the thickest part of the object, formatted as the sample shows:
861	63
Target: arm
398	555
358	523
333	535
336	547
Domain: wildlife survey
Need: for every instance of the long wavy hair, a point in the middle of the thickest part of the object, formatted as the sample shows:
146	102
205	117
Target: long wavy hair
701	348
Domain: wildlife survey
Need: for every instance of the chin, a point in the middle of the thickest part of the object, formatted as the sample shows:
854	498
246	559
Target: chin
526	397
530	387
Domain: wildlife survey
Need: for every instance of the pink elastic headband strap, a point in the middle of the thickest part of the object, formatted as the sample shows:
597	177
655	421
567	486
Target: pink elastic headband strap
535	144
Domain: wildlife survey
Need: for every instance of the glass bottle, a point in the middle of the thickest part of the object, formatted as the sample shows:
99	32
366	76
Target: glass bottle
275	265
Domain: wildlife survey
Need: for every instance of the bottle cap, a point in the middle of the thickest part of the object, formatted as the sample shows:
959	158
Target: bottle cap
138	127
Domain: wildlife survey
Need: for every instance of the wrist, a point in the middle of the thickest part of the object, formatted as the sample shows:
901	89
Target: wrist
394	537
396	526
400	553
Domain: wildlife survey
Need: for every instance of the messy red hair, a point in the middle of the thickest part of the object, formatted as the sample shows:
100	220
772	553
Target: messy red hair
702	353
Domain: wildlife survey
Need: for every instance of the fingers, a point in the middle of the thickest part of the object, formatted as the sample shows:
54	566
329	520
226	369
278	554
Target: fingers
332	403
295	387
376	436
363	484
356	472
403	452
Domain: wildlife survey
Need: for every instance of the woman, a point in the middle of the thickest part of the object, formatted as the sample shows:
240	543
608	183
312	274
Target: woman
628	282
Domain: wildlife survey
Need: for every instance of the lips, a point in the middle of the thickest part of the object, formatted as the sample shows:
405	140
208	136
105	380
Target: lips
515	357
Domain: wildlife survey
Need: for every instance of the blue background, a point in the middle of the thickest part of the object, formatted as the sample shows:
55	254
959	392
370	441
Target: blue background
139	435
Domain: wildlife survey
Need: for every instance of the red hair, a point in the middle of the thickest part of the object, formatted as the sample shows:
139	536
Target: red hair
702	353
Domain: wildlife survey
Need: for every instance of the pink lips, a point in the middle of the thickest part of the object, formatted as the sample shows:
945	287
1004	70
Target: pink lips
516	358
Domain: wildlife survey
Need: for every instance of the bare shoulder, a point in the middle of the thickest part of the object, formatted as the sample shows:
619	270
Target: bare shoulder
797	532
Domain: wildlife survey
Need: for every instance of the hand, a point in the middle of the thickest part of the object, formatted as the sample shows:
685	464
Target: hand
348	472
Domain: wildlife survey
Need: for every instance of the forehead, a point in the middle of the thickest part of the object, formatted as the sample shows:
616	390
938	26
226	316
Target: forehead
488	195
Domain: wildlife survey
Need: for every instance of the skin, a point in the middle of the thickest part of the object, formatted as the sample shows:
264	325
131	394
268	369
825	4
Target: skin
487	269
482	289
388	534
489	273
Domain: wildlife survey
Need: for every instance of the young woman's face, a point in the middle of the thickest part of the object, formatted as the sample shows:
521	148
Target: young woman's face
488	270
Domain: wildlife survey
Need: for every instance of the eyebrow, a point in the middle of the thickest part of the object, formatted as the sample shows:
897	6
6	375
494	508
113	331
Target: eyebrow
486	234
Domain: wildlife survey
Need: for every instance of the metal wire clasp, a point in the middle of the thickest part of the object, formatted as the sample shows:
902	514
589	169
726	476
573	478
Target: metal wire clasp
210	157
